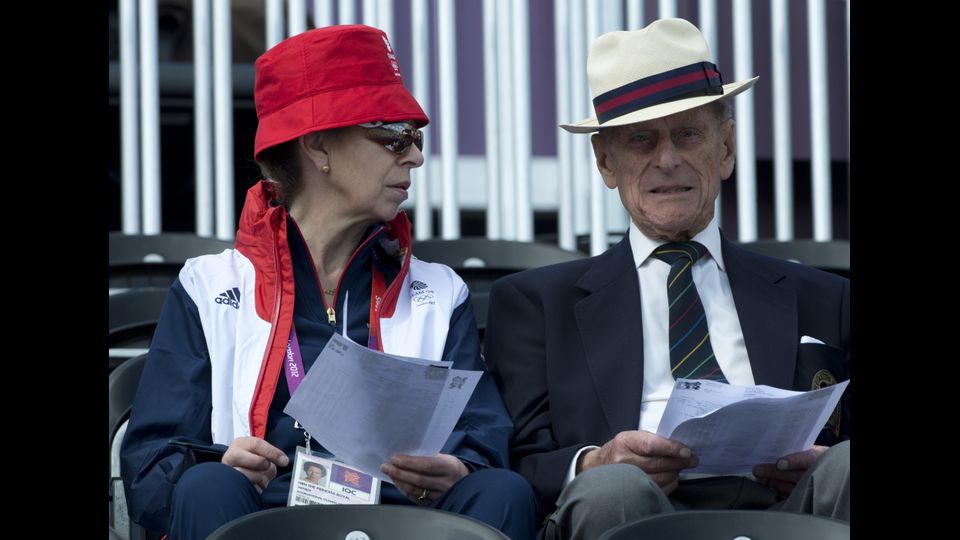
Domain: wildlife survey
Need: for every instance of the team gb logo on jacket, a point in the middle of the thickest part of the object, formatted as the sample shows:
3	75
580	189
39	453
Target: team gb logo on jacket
421	293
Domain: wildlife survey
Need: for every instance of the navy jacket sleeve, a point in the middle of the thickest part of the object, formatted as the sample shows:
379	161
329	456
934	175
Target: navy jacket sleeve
481	437
169	427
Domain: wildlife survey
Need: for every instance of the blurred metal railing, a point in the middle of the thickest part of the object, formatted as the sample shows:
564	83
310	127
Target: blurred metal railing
515	179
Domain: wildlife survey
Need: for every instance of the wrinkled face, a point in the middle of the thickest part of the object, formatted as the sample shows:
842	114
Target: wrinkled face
668	171
314	474
368	180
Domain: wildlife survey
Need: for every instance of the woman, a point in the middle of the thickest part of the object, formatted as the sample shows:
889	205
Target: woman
313	473
208	440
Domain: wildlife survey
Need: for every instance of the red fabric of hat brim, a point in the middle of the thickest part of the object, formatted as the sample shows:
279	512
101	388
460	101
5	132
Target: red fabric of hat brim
333	108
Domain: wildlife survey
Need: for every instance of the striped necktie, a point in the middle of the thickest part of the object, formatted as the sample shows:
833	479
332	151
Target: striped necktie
691	356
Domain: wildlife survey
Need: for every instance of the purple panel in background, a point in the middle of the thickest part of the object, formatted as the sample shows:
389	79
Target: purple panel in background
402	44
543	83
470	106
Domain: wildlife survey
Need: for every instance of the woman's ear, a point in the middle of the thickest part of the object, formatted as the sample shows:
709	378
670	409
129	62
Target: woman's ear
315	149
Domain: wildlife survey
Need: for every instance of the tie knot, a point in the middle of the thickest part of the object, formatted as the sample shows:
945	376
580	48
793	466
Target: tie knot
674	251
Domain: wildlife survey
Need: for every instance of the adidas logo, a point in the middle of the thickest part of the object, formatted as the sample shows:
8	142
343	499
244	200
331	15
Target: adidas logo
418	285
231	298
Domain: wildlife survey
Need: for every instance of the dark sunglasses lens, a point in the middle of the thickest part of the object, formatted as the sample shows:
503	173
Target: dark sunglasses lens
397	140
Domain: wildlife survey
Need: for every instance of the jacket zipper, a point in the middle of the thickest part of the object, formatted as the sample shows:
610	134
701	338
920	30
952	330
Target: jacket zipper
331	312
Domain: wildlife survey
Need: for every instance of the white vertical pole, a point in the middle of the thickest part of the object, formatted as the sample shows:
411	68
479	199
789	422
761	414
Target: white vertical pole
581	108
296	17
506	114
273	19
561	31
385	16
521	97
447	45
782	154
667	9
203	117
708	25
129	120
709	29
422	177
634	14
223	119
617	218
347	12
819	121
150	118
491	124
322	13
598	220
370	13
746	155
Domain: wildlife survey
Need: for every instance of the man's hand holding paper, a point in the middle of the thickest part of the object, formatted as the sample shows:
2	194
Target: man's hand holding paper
732	429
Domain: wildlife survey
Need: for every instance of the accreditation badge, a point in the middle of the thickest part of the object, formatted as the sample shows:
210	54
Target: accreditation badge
317	480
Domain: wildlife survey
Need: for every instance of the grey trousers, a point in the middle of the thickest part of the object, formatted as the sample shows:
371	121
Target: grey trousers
607	496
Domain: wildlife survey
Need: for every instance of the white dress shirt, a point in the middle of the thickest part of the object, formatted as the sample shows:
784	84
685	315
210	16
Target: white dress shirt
726	336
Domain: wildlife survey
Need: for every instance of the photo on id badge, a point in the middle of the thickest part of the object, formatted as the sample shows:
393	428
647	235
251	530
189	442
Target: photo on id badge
317	480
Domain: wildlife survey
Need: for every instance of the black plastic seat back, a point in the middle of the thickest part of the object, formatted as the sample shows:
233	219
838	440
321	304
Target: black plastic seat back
334	522
832	256
123	383
133	318
730	524
138	260
480	262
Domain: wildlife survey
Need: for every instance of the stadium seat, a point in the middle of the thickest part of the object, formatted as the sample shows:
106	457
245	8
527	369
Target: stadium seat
730	525
480	262
123	383
138	260
335	522
133	317
832	256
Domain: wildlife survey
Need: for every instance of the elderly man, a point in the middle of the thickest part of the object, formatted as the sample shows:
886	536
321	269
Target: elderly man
586	353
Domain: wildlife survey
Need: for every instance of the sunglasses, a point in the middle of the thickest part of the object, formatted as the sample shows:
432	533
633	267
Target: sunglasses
396	137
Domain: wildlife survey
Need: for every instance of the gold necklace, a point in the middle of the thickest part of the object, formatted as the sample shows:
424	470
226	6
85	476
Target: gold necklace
331	292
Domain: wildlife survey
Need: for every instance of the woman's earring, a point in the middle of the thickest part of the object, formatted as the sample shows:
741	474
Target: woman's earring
325	168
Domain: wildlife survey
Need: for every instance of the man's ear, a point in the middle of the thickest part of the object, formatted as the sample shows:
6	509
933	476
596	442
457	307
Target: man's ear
603	160
728	134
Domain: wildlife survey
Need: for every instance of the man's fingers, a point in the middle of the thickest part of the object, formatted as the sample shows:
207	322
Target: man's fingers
662	464
667	481
644	443
801	460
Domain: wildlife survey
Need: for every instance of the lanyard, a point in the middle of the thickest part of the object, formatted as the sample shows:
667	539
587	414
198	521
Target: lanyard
293	365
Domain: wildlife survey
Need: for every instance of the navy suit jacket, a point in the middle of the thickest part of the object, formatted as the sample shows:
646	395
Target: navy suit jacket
565	346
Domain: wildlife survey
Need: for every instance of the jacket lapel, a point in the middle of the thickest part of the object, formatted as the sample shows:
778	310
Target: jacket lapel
609	322
768	317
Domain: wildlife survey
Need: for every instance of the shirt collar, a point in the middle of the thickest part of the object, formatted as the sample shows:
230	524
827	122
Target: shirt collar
643	246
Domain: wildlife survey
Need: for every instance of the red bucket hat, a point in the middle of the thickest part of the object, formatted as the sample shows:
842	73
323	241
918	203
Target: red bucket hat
328	78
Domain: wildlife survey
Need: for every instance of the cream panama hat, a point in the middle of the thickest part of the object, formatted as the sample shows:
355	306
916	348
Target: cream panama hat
645	74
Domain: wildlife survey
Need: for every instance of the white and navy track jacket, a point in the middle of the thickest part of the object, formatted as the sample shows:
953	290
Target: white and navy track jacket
214	370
